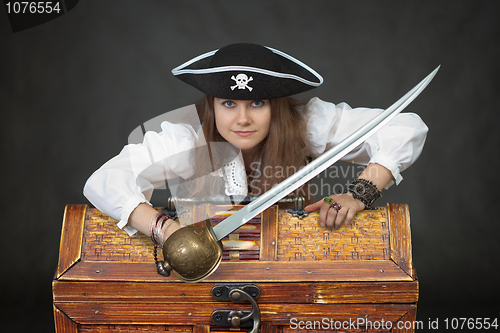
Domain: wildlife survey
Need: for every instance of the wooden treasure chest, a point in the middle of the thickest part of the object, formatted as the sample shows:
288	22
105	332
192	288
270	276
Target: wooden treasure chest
279	273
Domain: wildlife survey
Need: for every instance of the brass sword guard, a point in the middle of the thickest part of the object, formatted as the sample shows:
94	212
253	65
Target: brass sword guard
192	253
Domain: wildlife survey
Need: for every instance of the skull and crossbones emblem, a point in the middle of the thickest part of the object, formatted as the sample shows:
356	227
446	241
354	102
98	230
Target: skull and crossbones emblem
241	81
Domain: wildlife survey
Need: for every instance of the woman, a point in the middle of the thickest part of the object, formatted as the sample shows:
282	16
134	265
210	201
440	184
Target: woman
248	105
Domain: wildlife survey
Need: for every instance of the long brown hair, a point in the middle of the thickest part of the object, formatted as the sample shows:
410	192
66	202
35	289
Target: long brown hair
283	151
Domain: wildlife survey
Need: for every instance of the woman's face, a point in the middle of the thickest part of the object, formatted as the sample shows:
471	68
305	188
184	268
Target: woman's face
243	123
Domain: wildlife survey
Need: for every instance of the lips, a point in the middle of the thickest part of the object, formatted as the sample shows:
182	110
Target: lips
244	133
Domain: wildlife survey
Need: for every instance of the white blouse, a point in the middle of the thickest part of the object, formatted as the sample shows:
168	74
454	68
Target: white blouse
129	179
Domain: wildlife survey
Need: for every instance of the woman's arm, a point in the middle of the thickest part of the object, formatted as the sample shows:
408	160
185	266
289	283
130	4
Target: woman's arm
395	146
141	217
377	174
386	153
127	180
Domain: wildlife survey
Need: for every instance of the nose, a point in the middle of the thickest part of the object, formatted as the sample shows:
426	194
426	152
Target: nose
242	117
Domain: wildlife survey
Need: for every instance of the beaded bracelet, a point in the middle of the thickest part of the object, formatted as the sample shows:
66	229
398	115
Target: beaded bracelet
365	191
158	224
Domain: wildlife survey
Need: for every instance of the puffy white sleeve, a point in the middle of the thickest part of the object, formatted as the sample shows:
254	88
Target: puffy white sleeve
396	146
129	178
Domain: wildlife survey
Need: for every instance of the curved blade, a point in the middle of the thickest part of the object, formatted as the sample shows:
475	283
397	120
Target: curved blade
319	164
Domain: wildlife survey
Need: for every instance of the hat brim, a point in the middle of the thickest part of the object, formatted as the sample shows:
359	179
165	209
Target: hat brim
248	82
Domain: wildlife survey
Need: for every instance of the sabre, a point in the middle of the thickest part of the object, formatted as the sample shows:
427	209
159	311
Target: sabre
204	243
314	168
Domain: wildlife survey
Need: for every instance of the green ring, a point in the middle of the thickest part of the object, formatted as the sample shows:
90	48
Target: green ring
328	200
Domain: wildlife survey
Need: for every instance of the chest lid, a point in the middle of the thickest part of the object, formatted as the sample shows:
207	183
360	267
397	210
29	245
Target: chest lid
273	247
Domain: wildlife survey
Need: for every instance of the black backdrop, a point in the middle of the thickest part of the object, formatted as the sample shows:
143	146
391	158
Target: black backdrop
71	90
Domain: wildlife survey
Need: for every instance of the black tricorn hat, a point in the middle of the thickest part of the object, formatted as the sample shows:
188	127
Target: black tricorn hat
246	71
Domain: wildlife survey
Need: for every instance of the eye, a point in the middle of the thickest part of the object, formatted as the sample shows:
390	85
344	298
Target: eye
257	104
228	104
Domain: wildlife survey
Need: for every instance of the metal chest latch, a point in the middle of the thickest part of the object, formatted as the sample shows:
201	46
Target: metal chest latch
237	293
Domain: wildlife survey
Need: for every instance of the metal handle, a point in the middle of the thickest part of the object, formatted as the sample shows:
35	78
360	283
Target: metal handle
236	318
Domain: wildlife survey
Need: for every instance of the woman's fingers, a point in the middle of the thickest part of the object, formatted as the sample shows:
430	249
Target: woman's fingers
314	207
350	215
335	210
323	214
330	218
341	214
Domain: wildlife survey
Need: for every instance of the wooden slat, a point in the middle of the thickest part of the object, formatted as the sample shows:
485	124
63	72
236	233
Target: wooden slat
307	293
71	237
187	314
400	237
200	213
365	292
238	271
269	234
408	323
63	324
201	329
131	328
264	328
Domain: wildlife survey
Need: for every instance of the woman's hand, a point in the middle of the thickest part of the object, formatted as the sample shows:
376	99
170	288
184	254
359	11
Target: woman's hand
330	217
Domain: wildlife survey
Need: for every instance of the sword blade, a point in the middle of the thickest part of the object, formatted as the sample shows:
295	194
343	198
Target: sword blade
312	169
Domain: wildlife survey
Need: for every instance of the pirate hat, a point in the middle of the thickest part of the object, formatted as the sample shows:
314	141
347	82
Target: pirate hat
248	72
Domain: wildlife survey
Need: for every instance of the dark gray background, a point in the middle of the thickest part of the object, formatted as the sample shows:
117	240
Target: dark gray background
71	91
